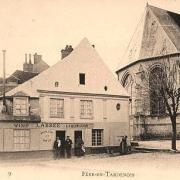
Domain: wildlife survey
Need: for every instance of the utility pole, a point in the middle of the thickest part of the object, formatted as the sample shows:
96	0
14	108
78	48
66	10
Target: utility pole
4	78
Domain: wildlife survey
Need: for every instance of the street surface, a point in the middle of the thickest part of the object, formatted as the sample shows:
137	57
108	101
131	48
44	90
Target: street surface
133	166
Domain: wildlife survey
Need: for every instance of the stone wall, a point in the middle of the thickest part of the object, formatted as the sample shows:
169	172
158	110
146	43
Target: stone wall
141	122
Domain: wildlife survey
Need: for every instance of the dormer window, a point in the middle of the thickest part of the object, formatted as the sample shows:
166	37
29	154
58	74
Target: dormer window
82	78
20	106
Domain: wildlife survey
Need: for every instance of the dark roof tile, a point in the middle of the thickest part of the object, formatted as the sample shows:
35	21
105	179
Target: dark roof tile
170	22
21	76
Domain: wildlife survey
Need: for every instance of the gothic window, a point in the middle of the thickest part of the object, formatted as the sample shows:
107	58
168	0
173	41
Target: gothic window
138	106
157	105
126	80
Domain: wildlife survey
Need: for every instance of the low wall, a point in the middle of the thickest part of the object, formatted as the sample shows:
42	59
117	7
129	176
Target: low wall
152	128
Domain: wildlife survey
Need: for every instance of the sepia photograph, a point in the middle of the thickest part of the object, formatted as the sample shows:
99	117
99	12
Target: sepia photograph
89	89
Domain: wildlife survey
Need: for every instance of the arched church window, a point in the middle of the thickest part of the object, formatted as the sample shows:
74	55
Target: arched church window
157	105
126	80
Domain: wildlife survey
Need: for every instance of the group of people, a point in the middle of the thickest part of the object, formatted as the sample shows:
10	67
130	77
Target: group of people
60	148
63	149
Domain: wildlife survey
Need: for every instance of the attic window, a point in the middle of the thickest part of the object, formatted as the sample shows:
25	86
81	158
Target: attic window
82	78
118	106
56	84
105	88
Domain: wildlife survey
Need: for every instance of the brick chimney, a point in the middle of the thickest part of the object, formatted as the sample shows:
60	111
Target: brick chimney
28	66
65	52
37	58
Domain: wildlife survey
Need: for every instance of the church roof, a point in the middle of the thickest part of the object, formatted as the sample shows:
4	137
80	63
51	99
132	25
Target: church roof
170	22
157	34
65	73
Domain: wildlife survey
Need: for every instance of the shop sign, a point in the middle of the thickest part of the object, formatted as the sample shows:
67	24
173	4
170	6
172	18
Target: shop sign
21	125
47	135
66	125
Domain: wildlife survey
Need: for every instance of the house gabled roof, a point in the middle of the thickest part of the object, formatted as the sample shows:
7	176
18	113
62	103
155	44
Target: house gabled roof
21	76
83	59
20	93
157	34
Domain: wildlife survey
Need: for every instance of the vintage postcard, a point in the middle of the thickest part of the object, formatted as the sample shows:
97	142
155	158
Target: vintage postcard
89	89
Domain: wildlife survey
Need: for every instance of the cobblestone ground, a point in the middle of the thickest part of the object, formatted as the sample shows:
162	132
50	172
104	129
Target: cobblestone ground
133	166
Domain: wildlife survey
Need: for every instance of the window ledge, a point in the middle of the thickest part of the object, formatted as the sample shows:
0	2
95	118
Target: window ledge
30	118
57	117
98	146
86	118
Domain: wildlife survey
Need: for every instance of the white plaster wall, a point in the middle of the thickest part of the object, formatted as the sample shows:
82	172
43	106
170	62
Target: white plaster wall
101	109
113	115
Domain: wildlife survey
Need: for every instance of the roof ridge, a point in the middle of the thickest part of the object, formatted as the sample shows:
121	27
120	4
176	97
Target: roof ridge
83	59
151	6
170	23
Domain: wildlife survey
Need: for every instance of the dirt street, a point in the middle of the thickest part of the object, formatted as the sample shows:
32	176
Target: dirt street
133	166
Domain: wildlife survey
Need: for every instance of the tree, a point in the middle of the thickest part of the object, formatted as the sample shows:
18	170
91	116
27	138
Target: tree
161	92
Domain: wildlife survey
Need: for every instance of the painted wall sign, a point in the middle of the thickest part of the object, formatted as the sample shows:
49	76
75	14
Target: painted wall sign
21	125
47	135
65	125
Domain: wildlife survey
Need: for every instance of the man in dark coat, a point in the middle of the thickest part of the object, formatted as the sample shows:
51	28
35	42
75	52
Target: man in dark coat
79	147
68	146
56	147
62	150
123	145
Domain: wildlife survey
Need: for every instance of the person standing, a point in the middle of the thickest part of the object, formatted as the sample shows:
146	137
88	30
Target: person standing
62	150
123	145
57	147
79	147
68	146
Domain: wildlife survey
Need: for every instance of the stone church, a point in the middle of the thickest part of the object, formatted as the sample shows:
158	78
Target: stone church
156	42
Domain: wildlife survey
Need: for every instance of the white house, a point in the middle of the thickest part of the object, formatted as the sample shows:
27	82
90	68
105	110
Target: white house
78	96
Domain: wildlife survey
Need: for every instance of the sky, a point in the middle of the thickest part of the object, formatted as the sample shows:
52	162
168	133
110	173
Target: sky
47	26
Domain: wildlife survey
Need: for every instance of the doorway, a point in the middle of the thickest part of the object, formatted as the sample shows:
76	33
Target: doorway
61	135
76	135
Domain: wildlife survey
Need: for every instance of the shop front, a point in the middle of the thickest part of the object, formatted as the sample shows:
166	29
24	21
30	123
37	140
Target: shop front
20	136
38	136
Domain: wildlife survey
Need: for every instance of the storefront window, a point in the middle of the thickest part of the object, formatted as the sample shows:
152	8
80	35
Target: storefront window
21	139
20	106
86	109
97	137
57	108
